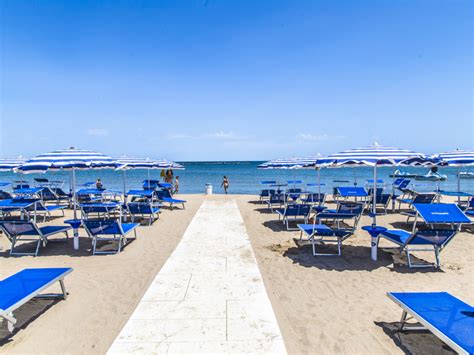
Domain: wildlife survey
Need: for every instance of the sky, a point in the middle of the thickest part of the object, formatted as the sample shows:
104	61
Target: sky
235	80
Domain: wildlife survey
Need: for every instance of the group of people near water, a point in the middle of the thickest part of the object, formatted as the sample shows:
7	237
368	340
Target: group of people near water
167	176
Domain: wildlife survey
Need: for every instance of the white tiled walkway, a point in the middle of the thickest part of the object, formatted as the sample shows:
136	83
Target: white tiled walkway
209	297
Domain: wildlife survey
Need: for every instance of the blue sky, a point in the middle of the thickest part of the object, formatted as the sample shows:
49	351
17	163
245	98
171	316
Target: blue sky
230	80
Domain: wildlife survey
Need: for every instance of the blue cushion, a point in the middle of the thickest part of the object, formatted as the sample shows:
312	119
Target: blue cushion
128	227
50	230
444	312
27	282
397	236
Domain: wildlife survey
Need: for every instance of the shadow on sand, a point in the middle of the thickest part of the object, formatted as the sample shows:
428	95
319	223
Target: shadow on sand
353	258
415	342
25	315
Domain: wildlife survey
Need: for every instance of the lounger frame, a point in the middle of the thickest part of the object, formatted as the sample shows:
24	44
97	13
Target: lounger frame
425	324
8	313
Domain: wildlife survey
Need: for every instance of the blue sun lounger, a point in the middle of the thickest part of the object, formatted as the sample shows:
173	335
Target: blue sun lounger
25	285
434	240
323	234
346	192
103	210
294	213
109	231
29	231
165	196
446	316
143	209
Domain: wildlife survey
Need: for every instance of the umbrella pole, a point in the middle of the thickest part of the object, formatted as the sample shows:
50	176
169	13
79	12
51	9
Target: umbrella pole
459	186
148	174
374	200
124	188
74	192
319	185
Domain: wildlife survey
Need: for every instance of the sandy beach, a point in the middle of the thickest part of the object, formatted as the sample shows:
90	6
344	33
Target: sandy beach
322	304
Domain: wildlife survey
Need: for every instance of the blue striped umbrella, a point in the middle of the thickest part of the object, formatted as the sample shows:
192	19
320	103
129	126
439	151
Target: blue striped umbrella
291	163
68	159
375	156
11	164
457	158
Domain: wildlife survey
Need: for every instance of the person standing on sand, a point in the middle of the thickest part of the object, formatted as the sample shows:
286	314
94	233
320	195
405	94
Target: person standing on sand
176	185
225	184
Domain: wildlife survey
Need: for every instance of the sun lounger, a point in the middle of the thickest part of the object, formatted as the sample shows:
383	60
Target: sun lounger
294	213
345	211
30	192
102	210
322	234
347	192
49	194
109	231
165	196
143	209
315	198
278	199
266	193
38	208
418	199
27	284
446	316
7	207
29	231
382	200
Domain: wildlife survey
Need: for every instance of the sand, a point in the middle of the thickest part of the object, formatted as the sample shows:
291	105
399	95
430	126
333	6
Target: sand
103	289
322	304
330	305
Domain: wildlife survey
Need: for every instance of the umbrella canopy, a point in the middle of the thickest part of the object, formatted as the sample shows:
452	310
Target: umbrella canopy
67	159
126	163
291	163
456	158
10	164
375	155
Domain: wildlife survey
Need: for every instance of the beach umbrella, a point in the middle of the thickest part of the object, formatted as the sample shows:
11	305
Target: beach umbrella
127	163
8	164
457	158
70	159
374	156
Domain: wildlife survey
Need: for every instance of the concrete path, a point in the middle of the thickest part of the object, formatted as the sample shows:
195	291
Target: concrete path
209	297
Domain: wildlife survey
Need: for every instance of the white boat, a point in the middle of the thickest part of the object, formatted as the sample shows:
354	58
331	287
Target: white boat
466	175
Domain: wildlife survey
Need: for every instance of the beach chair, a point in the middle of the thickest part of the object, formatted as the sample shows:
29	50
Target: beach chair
345	211
143	209
38	208
381	200
419	198
27	284
355	192
109	231
165	196
446	316
315	198
57	195
434	239
278	199
404	189
29	231
150	184
266	193
319	234
293	213
101	210
8	206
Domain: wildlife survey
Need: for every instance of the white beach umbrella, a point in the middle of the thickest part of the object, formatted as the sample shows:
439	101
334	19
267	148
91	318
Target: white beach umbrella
7	164
457	158
68	159
374	156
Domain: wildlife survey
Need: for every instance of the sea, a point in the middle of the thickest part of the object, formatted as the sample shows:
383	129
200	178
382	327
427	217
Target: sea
245	177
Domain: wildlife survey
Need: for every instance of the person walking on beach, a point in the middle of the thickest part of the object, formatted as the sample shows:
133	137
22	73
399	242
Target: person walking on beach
225	184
